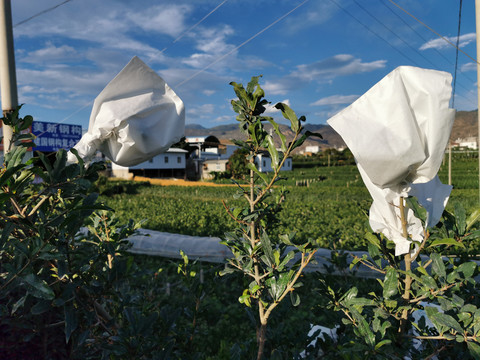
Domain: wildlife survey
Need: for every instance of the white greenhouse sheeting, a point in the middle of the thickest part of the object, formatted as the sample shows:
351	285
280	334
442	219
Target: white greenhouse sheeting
209	249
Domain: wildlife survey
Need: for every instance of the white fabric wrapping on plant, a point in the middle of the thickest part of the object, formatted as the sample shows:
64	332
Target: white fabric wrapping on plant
209	249
398	131
136	117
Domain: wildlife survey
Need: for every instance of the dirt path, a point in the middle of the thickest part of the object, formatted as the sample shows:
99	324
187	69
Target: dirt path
177	182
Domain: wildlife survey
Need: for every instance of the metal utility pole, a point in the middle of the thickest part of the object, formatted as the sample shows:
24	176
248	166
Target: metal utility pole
477	19
450	164
8	78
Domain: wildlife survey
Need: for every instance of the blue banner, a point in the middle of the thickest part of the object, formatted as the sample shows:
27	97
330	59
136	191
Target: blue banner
53	136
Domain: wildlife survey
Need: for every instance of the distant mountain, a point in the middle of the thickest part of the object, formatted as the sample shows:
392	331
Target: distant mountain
194	126
232	131
465	125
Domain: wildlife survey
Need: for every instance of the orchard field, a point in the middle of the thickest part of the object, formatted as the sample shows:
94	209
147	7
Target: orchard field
332	209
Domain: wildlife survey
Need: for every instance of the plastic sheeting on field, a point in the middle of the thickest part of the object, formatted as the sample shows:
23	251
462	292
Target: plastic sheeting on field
398	131
136	117
209	249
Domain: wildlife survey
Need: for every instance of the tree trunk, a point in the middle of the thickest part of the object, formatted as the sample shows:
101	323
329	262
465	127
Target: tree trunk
261	338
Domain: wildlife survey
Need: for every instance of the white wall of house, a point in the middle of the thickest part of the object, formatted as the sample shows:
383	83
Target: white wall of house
210	166
264	163
313	149
470	143
172	159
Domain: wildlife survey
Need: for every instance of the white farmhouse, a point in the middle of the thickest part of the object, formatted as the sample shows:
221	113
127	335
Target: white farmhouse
264	163
169	164
313	149
469	143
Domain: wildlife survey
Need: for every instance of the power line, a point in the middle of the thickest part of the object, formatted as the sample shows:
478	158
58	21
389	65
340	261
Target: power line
395	34
242	44
432	30
194	26
456	53
41	13
173	42
424	39
374	33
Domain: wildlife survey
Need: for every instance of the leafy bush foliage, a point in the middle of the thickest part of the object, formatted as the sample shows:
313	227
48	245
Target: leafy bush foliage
61	255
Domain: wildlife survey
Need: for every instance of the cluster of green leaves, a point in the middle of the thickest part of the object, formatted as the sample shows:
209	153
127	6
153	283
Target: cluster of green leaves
427	305
264	258
61	254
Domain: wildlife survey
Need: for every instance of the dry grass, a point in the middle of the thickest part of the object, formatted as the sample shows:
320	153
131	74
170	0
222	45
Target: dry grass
177	182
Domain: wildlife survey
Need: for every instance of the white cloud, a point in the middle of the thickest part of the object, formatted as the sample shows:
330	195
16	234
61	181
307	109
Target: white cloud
471	66
51	53
271	110
313	14
438	44
165	19
208	92
338	65
335	100
224	119
322	71
212	44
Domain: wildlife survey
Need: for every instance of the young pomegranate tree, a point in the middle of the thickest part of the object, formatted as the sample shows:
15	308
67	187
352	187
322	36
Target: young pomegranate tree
273	264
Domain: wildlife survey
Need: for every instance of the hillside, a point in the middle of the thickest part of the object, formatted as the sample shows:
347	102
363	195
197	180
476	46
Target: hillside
465	125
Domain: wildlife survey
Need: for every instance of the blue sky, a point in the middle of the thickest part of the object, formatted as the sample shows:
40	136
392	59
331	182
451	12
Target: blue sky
319	58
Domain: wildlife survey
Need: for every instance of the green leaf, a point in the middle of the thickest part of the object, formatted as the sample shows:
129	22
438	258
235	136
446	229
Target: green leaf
283	140
474	349
252	83
285	239
390	284
375	254
372	239
38	288
446	241
438	266
419	212
272	150
432	313
363	328
41	307
449	322
71	322
289	114
282	283
294	298
460	217
290	255
251	166
382	343
472	219
18	304
467	268
267	247
239	90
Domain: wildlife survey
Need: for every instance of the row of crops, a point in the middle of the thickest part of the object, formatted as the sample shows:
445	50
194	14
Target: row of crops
332	209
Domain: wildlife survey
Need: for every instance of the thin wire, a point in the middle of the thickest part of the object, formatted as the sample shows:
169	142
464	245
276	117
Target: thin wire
374	33
432	30
456	54
395	34
242	44
424	39
68	117
41	13
194	26
173	42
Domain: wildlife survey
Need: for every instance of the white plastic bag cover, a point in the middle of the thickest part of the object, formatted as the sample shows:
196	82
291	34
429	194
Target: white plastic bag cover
398	131
136	117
